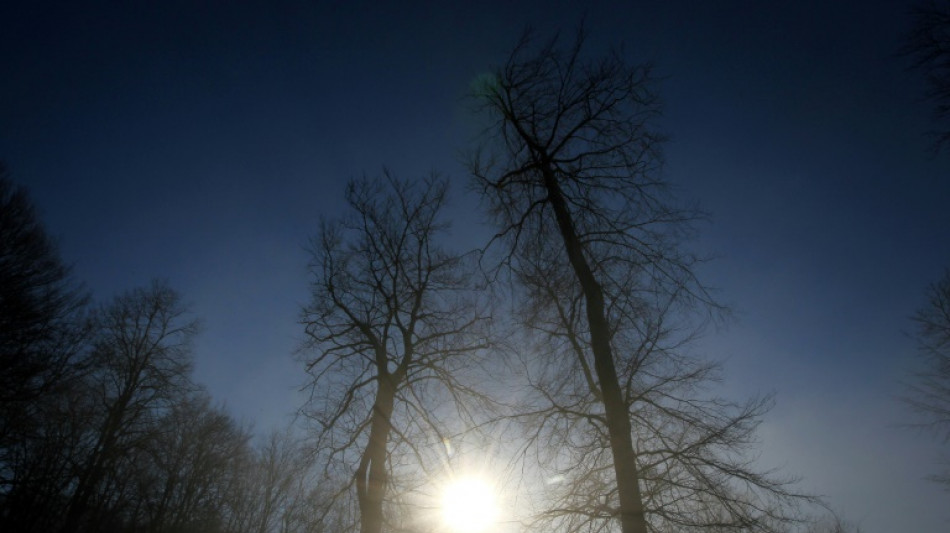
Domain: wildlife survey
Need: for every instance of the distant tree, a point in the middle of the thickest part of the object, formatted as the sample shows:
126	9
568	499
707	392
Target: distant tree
274	481
570	172
391	326
139	366
928	44
185	472
929	392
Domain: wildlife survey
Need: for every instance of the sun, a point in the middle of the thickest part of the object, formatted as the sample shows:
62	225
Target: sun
469	505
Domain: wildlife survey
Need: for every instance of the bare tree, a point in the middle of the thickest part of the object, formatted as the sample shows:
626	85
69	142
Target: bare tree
139	365
281	478
570	172
929	392
100	426
692	444
392	325
185	471
274	481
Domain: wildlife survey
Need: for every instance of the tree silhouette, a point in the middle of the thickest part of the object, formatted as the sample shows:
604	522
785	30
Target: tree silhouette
41	325
140	363
692	444
570	171
101	427
274	489
929	392
928	44
42	336
186	470
392	326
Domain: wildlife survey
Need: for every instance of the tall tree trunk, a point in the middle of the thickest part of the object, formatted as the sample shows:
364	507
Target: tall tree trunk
371	475
632	518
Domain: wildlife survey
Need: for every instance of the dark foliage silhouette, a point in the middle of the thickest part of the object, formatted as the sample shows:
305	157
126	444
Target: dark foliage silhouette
41	323
42	334
103	429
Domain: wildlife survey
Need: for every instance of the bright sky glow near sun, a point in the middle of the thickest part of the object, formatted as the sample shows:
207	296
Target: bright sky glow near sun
203	142
469	505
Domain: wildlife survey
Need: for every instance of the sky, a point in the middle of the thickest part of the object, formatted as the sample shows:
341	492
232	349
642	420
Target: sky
202	142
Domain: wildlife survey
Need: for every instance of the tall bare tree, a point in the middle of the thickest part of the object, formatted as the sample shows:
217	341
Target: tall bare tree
391	325
570	172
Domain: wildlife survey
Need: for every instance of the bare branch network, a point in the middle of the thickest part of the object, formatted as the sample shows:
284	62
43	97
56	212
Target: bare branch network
623	416
394	328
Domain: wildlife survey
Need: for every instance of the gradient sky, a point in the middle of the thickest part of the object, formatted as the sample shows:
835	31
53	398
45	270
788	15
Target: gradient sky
202	141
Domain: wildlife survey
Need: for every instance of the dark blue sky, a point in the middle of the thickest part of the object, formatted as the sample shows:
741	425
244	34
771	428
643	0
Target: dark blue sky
202	144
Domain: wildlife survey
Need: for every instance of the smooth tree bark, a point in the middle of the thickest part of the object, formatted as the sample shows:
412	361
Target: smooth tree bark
391	321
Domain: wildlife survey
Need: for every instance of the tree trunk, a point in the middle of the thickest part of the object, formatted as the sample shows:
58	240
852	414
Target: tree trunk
632	518
371	475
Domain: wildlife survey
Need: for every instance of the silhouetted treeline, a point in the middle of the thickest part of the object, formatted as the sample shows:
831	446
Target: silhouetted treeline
101	425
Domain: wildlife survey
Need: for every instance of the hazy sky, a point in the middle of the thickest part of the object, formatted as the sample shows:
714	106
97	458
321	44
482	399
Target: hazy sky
202	141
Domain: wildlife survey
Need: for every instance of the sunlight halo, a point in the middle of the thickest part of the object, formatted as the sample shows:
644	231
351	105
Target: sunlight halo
469	505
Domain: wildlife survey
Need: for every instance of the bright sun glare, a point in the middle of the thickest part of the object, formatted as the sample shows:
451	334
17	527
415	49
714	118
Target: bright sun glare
469	506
